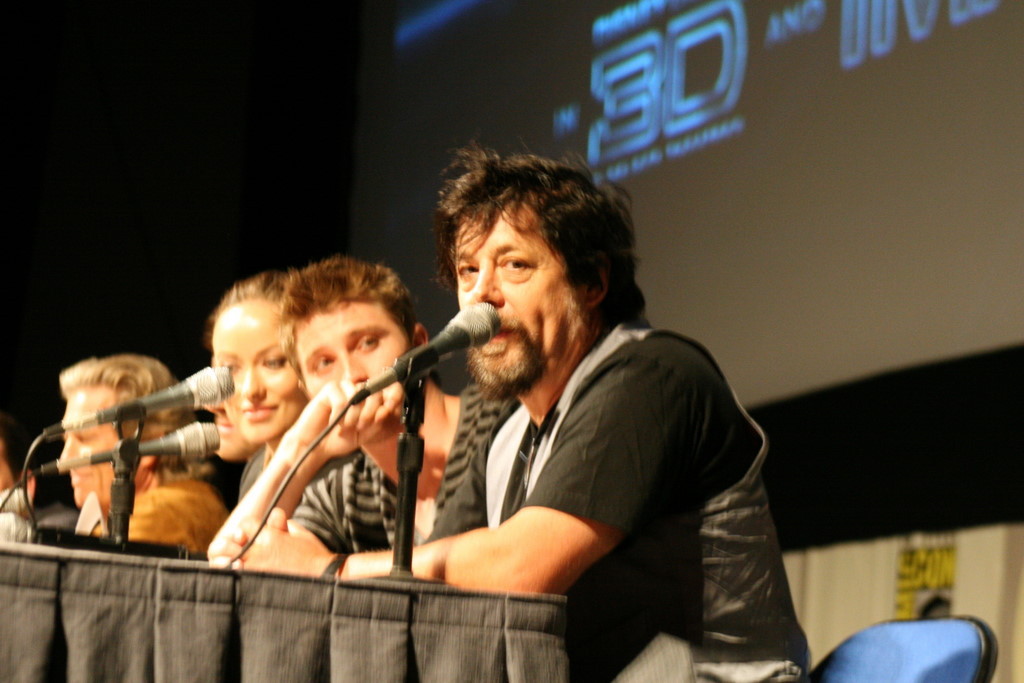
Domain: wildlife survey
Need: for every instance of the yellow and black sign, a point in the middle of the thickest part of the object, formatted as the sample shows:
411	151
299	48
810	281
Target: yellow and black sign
924	581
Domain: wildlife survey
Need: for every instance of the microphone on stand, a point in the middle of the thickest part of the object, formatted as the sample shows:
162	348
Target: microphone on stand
191	441
207	387
471	327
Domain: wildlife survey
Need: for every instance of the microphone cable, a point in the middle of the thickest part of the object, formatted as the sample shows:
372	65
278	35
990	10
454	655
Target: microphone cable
22	484
283	486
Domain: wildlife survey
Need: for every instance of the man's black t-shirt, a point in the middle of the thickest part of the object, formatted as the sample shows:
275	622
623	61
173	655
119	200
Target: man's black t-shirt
654	443
653	430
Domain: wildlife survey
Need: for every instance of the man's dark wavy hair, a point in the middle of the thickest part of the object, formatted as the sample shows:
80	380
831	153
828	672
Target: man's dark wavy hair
589	226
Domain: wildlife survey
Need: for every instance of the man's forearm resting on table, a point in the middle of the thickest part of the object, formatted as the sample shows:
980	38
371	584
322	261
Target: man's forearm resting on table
518	556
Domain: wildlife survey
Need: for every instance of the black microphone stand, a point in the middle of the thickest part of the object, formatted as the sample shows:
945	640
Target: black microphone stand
122	502
122	488
410	463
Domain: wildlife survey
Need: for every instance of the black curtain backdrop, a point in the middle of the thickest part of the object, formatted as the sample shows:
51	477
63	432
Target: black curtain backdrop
935	447
163	151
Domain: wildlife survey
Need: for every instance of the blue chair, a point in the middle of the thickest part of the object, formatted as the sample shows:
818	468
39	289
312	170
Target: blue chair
943	650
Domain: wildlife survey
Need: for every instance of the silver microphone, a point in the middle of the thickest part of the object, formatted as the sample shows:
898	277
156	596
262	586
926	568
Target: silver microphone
209	386
191	441
472	326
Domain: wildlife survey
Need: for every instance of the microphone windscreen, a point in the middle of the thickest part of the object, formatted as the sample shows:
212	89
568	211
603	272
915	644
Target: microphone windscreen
211	386
480	321
199	439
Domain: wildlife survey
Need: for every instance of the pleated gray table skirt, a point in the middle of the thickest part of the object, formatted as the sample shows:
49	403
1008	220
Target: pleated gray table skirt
79	615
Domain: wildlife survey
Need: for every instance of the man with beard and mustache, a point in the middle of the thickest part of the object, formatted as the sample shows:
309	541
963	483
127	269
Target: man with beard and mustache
628	479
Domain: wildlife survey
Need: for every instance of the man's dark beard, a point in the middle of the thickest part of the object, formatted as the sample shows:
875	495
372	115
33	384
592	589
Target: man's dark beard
499	384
